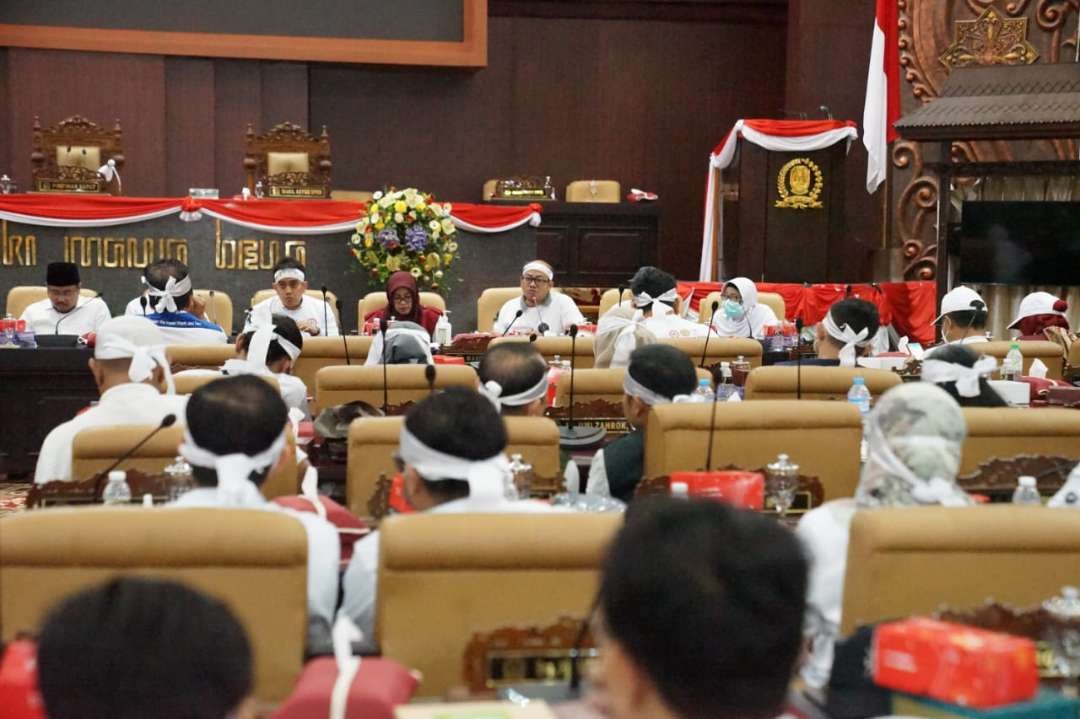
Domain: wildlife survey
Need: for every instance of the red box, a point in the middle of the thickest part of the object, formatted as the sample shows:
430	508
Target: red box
954	663
741	489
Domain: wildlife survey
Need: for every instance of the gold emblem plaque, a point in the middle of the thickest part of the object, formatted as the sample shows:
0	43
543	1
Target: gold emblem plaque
799	184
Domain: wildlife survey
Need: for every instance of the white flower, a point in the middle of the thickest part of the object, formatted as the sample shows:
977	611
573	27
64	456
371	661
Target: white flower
435	231
436	210
377	196
447	207
447	225
386	201
399	218
434	224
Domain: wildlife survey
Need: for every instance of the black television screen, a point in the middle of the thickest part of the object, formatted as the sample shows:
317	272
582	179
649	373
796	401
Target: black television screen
1030	243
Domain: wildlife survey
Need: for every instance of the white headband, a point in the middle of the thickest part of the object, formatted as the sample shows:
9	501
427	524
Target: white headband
486	477
493	391
936	490
539	267
848	336
259	346
289	273
644	299
966	378
233	470
173	289
635	389
143	358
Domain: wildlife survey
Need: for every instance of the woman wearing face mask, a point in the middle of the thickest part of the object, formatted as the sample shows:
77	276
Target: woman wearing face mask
740	315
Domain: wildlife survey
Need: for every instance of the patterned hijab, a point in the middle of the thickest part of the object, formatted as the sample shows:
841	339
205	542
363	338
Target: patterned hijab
914	436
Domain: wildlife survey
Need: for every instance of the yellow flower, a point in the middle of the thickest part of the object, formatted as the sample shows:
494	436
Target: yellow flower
400	206
447	258
421	205
369	240
432	261
379	225
370	258
393	263
415	272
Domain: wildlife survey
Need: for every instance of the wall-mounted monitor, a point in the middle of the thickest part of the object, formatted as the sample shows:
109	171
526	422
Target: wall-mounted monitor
1028	243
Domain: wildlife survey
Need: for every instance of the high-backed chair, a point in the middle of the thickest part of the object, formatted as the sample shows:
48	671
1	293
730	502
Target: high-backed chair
1050	353
910	560
253	561
773	300
1002	433
536	439
823	438
22	296
374	301
488	190
610	298
199	356
351	195
319	352
406	383
599	384
550	347
491	301
831	383
289	162
720	349
219	308
331	298
594	191
67	155
487	571
188	383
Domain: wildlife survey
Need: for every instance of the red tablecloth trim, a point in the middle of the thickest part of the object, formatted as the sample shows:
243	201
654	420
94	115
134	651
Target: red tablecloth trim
909	306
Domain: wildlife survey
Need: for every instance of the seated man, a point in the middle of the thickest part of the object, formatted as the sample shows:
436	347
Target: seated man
65	311
403	304
656	374
515	376
700	614
140	306
310	314
538	309
144	648
739	314
236	434
963	317
451	458
846	332
128	366
962	373
176	310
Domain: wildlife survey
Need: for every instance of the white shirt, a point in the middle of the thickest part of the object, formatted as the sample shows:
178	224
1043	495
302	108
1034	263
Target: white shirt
86	316
324	547
293	390
666	326
558	312
134	308
129	403
752	325
184	328
360	581
309	309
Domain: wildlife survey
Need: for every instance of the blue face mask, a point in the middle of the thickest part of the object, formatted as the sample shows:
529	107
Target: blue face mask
733	310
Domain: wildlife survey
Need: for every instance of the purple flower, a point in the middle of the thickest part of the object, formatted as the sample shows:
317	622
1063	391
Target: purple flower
388	238
416	238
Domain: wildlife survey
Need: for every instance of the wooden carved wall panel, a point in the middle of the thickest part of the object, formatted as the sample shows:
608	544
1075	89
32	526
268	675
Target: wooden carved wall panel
927	31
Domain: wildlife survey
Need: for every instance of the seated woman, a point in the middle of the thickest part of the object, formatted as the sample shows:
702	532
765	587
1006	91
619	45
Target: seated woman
913	436
958	370
1038	311
740	315
403	303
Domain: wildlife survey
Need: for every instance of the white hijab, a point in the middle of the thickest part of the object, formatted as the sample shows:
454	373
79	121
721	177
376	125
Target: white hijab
755	317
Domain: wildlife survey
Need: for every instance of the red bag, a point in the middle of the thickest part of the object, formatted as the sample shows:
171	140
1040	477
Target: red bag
378	687
19	697
740	489
349	527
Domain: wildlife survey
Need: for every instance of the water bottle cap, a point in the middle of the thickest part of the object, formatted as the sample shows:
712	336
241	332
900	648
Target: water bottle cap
1014	346
703	382
679	489
859	379
118	475
1027	481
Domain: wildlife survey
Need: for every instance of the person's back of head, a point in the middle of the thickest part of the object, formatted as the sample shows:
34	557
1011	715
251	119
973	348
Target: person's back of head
134	648
664	370
962	356
855	314
235	415
284	327
117	341
654	282
158	275
702	608
517	367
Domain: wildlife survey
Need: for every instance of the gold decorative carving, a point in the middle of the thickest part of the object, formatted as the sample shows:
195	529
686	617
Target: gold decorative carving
123	252
75	131
513	655
288	137
990	39
17	250
254	254
799	184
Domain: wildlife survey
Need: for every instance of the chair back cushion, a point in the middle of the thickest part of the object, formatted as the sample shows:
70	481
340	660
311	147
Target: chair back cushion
372	443
720	349
593	191
78	156
610	298
1051	353
22	296
263	295
319	352
405	383
220	311
551	347
95	448
994	432
604	384
832	383
536	439
279	162
491	301
183	357
188	383
772	300
374	301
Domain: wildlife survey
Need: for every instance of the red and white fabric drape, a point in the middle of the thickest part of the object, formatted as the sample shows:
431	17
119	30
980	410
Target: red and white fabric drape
773	135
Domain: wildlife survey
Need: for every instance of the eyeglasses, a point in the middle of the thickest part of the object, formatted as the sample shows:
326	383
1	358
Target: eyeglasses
534	280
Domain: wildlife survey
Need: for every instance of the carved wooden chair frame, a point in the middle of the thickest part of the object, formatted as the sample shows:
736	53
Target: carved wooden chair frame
288	137
75	131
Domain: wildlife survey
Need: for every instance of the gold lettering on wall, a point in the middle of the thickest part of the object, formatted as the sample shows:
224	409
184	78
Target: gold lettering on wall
17	250
123	252
252	254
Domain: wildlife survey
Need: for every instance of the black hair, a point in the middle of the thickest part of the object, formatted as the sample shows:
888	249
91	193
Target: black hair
142	647
158	274
965	356
708	600
970	319
289	263
664	369
287	328
242	414
856	314
516	366
654	281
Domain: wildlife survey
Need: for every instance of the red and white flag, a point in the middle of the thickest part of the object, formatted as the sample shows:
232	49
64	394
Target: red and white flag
882	106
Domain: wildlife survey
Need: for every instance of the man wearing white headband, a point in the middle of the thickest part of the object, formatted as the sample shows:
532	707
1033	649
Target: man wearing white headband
452	461
538	309
310	313
657	373
236	435
846	333
962	373
129	365
174	308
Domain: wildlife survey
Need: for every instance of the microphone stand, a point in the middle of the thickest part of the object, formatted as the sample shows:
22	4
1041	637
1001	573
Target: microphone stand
326	313
621	290
712	432
708	333
429	375
56	329
345	339
167	421
385	388
798	357
517	314
573	347
142	304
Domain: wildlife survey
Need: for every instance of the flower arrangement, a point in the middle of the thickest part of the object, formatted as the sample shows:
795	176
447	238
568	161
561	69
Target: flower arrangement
406	230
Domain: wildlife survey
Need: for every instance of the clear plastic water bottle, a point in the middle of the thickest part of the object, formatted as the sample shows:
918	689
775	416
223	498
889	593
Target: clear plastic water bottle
859	395
1013	366
520	482
443	331
117	490
1027	492
704	392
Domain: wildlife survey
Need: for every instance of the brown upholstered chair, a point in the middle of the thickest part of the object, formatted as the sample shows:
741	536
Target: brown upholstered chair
720	349
319	352
594	191
488	190
550	347
995	432
1050	353
254	561
610	298
487	571
95	448
823	438
67	155
188	383
220	310
289	162
536	439
910	560
199	356
406	383
830	383
374	301
22	296
772	300
603	384
263	295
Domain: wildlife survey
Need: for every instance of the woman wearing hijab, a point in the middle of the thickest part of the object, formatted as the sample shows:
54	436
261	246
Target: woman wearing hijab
1038	311
914	436
403	303
740	315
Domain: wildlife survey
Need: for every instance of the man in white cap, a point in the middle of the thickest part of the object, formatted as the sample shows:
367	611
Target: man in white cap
175	309
1039	311
64	311
963	317
452	460
129	365
538	309
291	299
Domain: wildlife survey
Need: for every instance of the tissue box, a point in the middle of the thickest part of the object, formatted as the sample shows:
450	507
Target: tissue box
1015	393
1046	705
954	663
740	489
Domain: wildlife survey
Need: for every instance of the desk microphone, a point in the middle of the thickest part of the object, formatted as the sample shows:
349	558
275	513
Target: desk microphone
517	314
344	338
708	333
142	303
532	337
213	311
573	359
385	389
543	327
621	290
798	358
98	296
167	421
429	375
326	313
712	428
